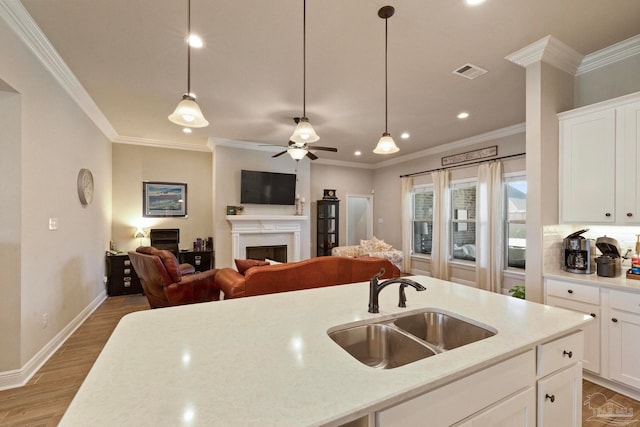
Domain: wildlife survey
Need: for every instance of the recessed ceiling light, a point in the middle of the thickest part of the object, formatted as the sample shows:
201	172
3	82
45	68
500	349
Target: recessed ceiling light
186	130
357	153
405	135
463	115
194	40
473	2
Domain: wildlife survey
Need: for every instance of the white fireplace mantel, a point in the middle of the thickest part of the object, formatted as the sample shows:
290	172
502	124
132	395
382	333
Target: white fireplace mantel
260	230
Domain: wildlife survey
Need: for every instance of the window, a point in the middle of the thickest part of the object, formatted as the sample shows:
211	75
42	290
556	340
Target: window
422	220
463	221
515	220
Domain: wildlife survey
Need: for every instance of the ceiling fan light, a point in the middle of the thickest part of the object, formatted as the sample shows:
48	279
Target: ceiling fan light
304	132
297	153
188	113
386	145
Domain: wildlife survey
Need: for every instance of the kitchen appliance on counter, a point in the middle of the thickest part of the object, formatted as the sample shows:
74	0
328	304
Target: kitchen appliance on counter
609	263
578	253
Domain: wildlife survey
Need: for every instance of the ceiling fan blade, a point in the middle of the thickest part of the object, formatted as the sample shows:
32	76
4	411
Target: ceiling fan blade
279	154
332	149
311	155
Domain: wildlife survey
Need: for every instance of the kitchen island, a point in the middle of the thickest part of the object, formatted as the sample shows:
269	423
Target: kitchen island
268	361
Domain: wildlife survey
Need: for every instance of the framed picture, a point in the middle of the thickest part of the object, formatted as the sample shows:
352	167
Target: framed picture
164	199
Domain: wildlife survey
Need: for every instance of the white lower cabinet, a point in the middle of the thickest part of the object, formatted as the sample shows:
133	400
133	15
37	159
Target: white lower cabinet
515	411
624	338
560	398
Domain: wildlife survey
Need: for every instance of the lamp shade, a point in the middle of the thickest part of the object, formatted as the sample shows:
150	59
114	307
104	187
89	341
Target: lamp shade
297	153
188	113
304	132
386	145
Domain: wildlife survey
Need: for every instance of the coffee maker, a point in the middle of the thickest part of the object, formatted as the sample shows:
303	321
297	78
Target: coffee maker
578	253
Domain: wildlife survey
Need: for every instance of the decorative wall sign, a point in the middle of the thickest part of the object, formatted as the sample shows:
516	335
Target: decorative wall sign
162	199
470	155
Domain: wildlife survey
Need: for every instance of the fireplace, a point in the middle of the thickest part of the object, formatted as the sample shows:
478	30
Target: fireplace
275	253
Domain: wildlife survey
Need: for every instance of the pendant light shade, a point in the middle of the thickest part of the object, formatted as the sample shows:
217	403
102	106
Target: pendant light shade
188	113
297	153
304	132
386	144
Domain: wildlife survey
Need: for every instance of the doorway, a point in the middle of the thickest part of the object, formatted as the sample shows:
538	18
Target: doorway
359	218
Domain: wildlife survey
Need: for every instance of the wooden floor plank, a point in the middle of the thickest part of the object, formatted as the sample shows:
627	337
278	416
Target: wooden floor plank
45	398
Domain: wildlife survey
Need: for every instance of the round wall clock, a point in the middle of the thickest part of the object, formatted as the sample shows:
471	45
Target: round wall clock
85	186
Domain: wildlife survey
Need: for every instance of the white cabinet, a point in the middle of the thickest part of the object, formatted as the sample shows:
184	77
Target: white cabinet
560	398
584	299
599	154
587	146
624	338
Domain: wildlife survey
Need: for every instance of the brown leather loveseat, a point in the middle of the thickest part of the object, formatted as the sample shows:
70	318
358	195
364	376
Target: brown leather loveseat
311	273
166	282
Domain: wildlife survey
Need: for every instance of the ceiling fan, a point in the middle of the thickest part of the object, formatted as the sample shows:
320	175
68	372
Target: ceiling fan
298	150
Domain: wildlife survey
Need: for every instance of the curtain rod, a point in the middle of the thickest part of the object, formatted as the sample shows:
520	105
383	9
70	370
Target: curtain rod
461	166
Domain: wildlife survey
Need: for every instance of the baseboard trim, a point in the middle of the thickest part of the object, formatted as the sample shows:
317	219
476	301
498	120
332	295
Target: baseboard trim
612	385
19	377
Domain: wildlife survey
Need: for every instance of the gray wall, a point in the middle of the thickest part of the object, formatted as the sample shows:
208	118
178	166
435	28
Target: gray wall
617	79
133	164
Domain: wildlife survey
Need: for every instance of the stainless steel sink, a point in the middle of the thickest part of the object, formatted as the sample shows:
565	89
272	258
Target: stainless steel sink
444	331
380	346
396	342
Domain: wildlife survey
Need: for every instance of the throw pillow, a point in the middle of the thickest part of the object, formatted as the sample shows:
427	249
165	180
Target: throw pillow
244	264
271	262
375	245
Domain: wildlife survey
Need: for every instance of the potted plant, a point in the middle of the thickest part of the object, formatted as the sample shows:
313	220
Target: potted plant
239	210
518	291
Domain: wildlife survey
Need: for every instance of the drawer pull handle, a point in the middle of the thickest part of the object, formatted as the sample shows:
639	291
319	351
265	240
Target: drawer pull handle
607	214
629	214
614	320
550	397
568	353
593	315
570	291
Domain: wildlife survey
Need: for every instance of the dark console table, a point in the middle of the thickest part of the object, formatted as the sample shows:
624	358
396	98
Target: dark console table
201	260
121	277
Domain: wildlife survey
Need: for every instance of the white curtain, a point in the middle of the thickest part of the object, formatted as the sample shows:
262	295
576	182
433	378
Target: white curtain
489	234
441	208
406	189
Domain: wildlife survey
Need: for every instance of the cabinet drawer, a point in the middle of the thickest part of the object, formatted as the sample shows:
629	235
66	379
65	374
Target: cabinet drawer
560	353
560	398
625	301
453	402
573	291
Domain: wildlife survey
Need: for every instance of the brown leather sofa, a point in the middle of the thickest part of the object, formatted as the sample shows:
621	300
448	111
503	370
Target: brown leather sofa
311	273
166	282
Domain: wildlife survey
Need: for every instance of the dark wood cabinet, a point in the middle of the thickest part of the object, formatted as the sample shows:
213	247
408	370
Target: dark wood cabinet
328	225
121	277
201	260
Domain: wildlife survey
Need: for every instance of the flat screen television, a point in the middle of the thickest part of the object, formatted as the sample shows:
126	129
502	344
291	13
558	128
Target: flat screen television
267	188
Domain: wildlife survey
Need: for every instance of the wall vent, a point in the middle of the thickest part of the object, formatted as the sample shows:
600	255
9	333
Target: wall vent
469	71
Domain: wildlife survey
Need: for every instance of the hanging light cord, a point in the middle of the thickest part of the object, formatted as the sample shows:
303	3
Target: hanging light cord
189	47
386	96
304	59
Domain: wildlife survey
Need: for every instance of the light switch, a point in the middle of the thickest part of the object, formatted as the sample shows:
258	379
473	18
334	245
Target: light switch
53	224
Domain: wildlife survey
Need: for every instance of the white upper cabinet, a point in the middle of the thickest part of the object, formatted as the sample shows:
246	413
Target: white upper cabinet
599	157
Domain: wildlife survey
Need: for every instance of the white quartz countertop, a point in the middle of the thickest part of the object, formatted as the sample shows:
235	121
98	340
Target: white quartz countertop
268	361
621	282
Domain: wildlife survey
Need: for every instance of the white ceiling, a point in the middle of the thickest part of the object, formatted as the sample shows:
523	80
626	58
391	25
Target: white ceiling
130	56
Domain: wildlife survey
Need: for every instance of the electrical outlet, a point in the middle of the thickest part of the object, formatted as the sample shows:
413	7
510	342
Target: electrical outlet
104	280
45	320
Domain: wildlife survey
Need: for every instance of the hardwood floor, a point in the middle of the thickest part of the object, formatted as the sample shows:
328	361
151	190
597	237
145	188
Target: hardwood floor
44	399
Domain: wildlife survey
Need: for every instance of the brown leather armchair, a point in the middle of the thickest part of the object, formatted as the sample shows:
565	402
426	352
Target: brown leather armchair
167	283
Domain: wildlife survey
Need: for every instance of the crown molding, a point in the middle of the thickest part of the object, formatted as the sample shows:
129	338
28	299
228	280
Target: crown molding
550	50
23	25
610	54
157	143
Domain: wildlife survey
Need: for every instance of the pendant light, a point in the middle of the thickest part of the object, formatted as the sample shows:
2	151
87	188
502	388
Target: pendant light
386	145
188	112
304	132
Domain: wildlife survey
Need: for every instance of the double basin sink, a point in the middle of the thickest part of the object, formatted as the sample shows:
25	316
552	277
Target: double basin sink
396	342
